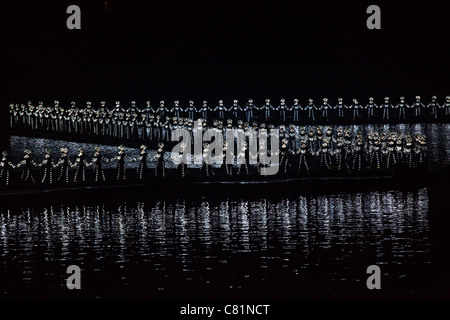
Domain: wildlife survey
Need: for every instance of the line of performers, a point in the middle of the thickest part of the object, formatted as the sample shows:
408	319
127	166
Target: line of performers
320	149
317	150
150	122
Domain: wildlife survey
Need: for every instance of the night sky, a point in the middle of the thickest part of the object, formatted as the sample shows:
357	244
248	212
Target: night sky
152	50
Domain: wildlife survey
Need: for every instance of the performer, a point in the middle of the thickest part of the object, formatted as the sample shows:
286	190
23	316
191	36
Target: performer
402	108
148	110
311	107
370	107
12	115
324	154
48	168
244	154
160	169
325	107
225	168
267	107
447	105
65	163
399	149
27	163
235	108
408	154
434	107
292	137
182	157
303	135
142	166
295	109
386	108
359	158
191	110
221	108
204	110
303	157
282	108
418	106
375	153
355	108
176	109
5	169
80	163
249	110
311	140
205	169
338	150
421	150
99	175
120	158
390	158
284	157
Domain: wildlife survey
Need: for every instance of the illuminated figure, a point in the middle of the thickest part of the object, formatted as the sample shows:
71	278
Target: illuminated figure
324	154
370	107
267	107
375	153
80	164
120	158
295	109
204	110
417	106
205	169
303	160
64	163
191	110
408	152
235	108
284	156
27	164
5	169
311	107
160	169
47	163
434	107
97	162
340	106
390	158
243	156
447	105
402	108
142	165
182	157
226	168
359	158
221	108
337	152
325	107
282	108
386	108
292	137
355	106
249	110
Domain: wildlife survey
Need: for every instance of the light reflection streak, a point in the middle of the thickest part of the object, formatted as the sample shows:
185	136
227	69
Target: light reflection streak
296	233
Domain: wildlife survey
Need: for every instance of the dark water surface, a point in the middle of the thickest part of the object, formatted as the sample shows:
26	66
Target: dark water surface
308	245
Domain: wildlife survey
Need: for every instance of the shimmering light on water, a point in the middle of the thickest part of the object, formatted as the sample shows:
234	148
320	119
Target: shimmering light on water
290	247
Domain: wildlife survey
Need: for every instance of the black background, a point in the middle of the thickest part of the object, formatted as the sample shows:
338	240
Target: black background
152	50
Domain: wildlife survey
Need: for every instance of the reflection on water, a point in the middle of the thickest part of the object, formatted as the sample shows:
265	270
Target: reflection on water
291	247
